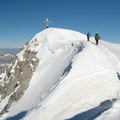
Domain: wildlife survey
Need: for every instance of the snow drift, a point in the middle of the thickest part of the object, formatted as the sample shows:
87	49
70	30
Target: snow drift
73	77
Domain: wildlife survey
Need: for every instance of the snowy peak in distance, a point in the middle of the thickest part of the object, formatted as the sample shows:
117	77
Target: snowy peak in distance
7	54
6	57
59	71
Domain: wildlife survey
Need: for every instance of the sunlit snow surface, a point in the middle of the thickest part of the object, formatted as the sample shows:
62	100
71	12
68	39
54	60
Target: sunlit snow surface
74	77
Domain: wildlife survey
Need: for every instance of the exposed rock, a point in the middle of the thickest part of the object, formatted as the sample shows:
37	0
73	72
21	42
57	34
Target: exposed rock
4	110
2	69
17	78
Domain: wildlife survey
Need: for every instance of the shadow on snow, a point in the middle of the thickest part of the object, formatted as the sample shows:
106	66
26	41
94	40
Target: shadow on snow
18	116
118	75
95	112
68	68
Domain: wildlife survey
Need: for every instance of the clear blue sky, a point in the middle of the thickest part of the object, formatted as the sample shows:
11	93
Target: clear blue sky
20	20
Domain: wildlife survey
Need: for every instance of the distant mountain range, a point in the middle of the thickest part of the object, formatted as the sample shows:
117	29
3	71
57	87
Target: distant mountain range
11	51
6	56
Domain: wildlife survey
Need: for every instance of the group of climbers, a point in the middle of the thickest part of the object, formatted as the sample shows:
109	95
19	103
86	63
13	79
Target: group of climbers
97	37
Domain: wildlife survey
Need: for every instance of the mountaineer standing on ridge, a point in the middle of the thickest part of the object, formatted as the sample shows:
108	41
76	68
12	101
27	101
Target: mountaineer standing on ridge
88	36
97	38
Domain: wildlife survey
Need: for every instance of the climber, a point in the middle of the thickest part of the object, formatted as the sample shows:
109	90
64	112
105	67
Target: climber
88	36
97	38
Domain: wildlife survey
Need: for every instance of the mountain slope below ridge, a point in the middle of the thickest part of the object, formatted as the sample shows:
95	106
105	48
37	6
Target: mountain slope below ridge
91	81
72	76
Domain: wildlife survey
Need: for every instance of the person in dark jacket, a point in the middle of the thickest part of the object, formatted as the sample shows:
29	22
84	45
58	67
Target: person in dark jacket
88	36
97	38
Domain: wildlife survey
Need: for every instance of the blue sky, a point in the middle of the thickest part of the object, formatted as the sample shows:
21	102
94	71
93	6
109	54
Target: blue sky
20	20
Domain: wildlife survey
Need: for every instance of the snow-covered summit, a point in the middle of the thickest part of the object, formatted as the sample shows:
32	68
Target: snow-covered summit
64	75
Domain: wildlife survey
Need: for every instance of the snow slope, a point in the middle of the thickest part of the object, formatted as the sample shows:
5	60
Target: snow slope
73	76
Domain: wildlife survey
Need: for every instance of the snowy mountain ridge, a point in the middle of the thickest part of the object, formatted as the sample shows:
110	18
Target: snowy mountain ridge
57	75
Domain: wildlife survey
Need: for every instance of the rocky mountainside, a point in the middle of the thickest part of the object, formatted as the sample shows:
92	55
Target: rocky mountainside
15	79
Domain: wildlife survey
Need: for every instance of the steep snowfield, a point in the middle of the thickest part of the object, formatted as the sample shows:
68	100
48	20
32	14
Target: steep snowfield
91	81
113	51
73	76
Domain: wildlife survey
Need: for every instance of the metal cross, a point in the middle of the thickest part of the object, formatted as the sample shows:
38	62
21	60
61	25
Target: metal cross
46	21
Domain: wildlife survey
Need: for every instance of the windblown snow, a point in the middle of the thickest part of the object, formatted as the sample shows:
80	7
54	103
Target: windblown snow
75	79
